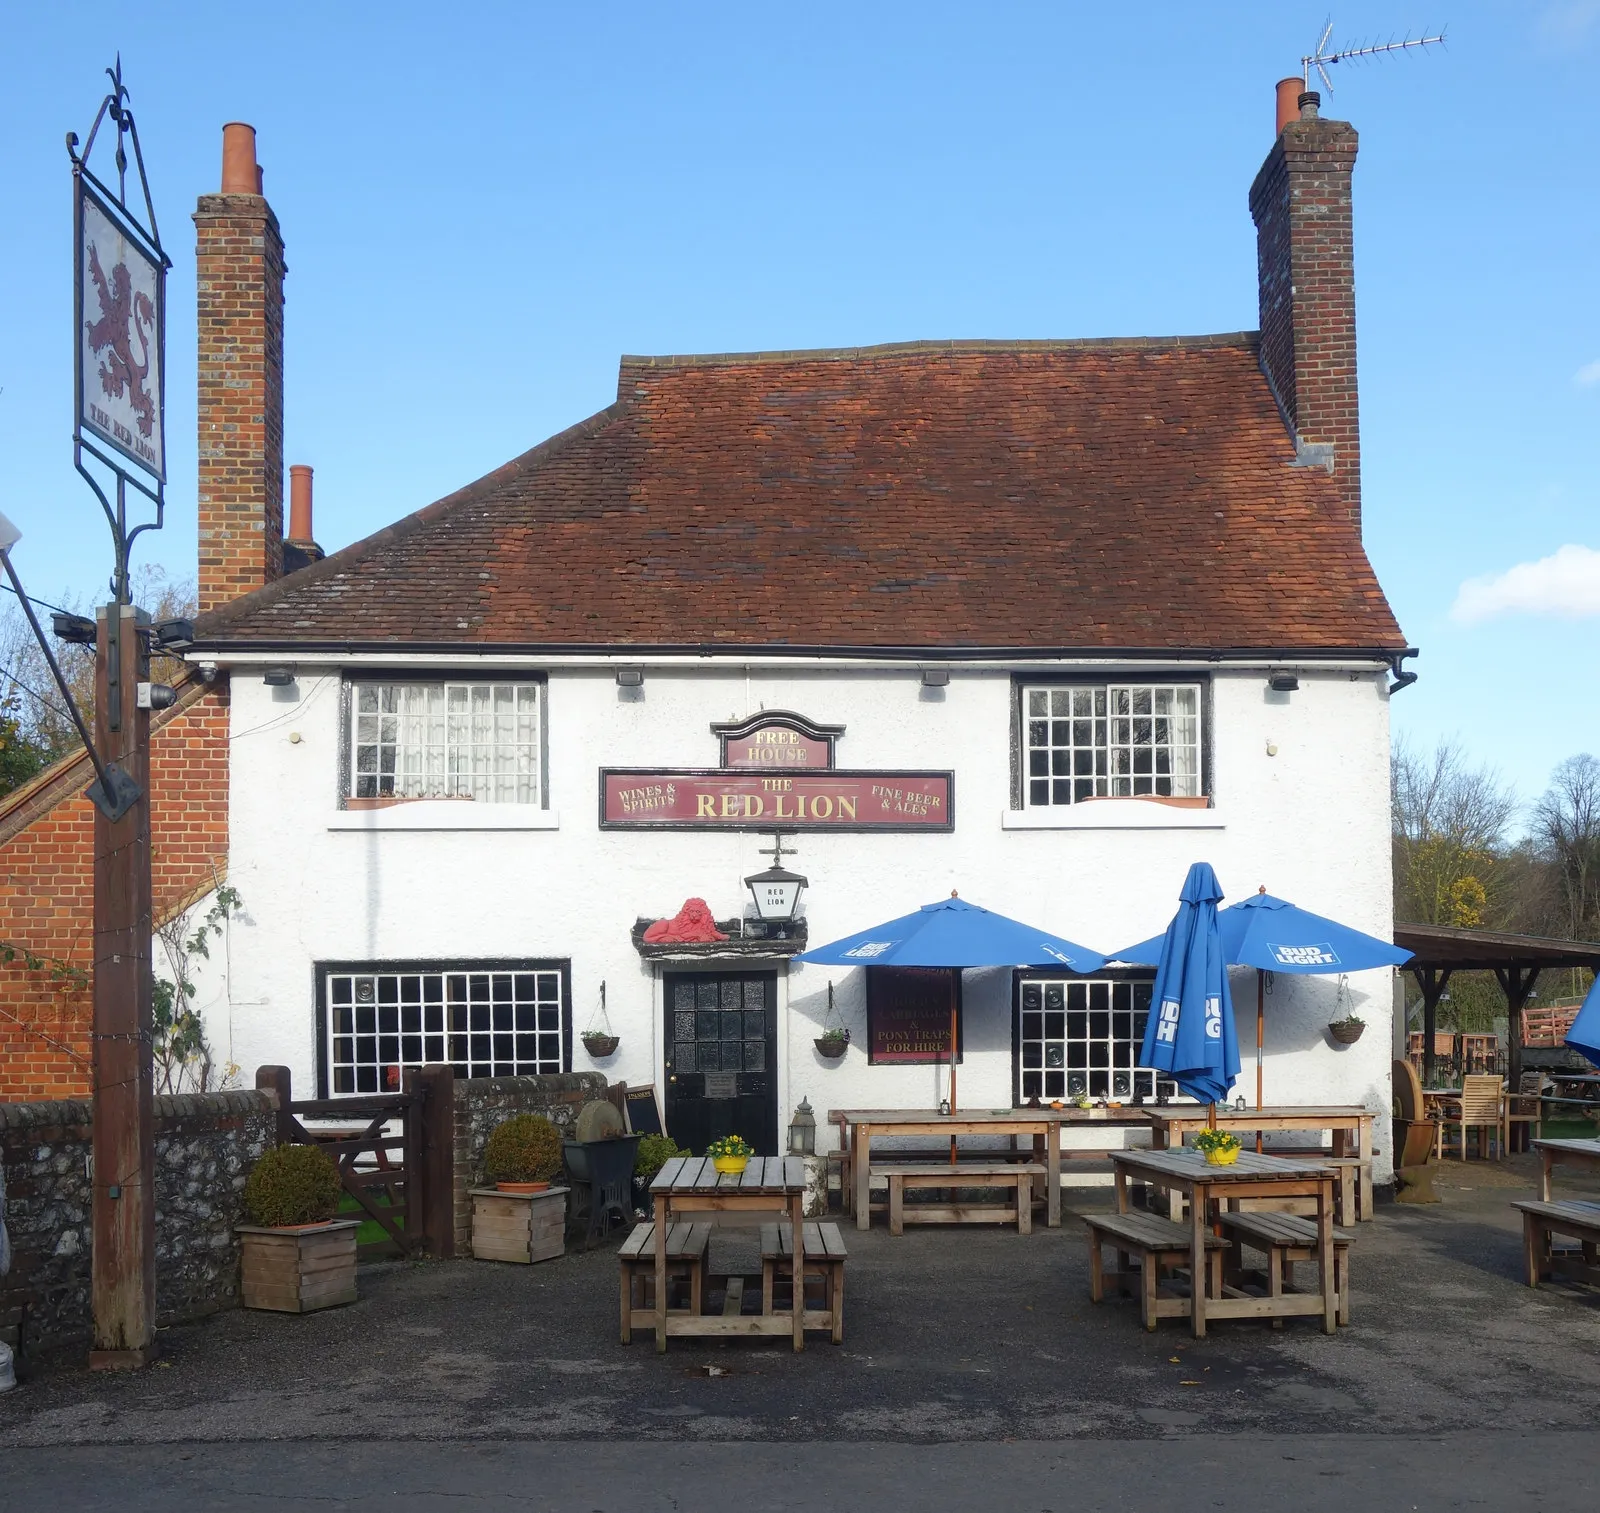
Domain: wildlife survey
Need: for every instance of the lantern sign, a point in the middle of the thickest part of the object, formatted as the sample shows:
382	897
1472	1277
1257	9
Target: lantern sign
121	322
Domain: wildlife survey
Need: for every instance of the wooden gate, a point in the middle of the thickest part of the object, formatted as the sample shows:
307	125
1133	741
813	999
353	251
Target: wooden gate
394	1153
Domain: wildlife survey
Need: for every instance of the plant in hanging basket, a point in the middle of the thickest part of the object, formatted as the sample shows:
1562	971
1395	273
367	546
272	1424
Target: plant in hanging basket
833	1043
598	1045
522	1154
1220	1146
730	1154
1347	1030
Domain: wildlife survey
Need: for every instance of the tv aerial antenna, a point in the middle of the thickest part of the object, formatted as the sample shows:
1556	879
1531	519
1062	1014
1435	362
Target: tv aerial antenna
1321	59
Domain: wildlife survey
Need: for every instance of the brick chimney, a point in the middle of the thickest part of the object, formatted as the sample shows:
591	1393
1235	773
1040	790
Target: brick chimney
1301	205
239	277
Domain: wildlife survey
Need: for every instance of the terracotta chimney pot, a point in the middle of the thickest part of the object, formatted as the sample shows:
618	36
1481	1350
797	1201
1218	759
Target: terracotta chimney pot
1289	92
239	172
300	503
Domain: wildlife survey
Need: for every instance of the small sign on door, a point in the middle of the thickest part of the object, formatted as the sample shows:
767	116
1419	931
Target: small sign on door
722	1084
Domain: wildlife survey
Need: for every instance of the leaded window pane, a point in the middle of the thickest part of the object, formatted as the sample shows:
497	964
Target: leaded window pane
1121	741
1083	1038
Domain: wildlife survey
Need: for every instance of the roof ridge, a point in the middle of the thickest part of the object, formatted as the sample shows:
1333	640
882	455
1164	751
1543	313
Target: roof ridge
397	530
952	345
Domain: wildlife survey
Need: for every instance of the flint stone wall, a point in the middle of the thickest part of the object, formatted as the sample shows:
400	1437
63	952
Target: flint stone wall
206	1144
484	1102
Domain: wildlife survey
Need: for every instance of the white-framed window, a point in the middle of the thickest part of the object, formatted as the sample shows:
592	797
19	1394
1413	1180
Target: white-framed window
508	1020
1081	1037
1118	740
478	740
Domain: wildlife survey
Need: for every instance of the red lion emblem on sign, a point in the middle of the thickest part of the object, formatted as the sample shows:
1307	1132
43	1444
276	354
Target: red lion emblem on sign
124	316
691	925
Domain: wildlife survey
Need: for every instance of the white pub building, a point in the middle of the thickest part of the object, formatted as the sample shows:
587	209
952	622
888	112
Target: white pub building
1042	622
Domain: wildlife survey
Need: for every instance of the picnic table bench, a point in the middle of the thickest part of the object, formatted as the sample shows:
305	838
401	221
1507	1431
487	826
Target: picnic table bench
1541	1221
822	1271
1161	1245
1286	1238
941	1174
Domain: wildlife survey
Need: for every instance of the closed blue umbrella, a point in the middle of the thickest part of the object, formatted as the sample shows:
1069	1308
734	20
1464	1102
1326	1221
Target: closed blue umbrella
1274	935
1584	1036
1190	1034
955	934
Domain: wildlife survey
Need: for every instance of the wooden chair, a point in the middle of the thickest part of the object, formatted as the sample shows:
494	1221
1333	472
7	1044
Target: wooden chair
1482	1109
686	1267
1416	1137
822	1274
1525	1107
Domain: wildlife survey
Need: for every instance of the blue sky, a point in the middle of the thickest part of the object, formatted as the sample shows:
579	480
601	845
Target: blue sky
484	205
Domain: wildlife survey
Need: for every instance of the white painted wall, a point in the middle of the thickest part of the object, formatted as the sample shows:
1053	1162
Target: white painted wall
1310	822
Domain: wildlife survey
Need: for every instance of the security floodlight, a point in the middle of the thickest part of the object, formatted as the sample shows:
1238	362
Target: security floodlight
172	632
935	677
278	677
1283	682
79	630
630	677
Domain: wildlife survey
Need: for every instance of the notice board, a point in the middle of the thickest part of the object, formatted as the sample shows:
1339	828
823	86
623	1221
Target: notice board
643	1113
908	1015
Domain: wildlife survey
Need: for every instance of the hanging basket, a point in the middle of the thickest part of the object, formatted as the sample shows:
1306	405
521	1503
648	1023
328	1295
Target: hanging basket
1346	1031
832	1046
598	1045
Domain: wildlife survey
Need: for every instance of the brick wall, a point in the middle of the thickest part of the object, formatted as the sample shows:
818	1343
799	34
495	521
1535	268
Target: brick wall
47	879
1301	202
239	273
206	1144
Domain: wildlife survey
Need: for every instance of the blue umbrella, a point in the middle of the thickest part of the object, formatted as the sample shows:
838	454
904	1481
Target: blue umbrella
1190	1034
955	934
1584	1036
1273	935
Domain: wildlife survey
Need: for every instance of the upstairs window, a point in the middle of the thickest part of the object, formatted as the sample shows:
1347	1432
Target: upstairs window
469	740
1110	741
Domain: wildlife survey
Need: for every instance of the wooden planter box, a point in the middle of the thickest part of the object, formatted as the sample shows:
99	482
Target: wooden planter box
298	1270
522	1227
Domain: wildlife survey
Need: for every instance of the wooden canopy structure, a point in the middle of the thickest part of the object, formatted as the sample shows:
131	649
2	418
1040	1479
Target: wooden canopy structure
1438	952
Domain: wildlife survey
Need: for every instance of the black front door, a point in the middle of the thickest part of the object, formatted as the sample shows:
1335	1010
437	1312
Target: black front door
722	1058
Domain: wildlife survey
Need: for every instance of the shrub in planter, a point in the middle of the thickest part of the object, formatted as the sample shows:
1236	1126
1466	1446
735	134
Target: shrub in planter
296	1256
525	1148
292	1184
654	1153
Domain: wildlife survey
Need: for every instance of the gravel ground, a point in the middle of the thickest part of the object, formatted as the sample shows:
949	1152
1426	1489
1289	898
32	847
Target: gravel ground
951	1335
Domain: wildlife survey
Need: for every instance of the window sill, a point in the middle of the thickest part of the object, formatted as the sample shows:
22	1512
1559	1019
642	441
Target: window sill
446	814
1114	814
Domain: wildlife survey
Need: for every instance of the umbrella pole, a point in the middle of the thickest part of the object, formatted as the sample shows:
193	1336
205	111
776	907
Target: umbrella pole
955	989
1261	1035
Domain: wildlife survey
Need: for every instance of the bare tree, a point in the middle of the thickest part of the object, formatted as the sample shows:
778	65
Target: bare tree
1566	823
1449	822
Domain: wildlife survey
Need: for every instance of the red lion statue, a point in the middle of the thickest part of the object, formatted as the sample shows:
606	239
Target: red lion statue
690	925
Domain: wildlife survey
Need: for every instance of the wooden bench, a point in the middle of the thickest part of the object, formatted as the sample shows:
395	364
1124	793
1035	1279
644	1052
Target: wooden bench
686	1268
1286	1239
823	1270
903	1174
1160	1245
1576	1220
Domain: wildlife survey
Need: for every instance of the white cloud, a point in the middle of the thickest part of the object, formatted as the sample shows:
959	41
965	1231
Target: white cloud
1565	586
1589	373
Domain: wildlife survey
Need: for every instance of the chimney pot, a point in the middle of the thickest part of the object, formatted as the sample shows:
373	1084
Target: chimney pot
1310	102
300	503
239	172
1289	92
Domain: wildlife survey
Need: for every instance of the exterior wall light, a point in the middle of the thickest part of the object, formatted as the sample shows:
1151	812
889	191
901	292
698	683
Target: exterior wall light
630	677
1283	682
935	677
777	894
278	677
803	1131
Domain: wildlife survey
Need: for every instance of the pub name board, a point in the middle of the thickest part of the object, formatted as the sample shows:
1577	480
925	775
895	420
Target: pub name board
690	799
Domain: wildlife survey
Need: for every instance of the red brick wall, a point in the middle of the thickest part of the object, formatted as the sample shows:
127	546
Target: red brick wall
46	884
1301	202
239	278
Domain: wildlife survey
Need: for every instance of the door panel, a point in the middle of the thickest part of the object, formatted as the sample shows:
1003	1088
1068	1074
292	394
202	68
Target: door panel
721	1039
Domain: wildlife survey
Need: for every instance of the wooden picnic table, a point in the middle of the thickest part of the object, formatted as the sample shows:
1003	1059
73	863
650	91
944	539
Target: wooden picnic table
1555	1153
1038	1125
1250	1176
693	1185
1351	1125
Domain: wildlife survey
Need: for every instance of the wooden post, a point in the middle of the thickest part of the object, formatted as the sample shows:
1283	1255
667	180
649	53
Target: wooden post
276	1079
123	1265
1432	981
1517	983
435	1200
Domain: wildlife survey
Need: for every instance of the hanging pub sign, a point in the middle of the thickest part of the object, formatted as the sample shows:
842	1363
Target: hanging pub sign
648	799
777	740
121	307
908	1015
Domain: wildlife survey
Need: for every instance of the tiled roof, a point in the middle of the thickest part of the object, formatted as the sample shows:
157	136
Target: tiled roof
1074	495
